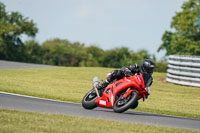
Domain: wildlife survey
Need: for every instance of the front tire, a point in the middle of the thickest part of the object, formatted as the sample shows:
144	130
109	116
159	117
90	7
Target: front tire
135	105
122	105
89	99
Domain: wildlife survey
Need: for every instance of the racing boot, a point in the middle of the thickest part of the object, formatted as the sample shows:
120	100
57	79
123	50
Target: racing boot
102	85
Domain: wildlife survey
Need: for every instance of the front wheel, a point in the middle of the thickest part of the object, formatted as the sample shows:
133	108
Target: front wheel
135	105
123	104
88	101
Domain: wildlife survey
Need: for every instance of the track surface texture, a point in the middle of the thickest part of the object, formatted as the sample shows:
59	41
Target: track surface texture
33	104
19	65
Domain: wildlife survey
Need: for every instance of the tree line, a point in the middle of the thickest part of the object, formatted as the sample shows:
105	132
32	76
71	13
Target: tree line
56	51
183	39
62	52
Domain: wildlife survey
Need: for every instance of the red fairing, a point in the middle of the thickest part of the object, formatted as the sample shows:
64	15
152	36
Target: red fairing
134	83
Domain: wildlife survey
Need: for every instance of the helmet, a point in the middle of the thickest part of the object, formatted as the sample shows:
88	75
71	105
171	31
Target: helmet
147	66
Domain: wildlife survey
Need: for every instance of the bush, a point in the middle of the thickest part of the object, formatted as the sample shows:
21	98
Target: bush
161	66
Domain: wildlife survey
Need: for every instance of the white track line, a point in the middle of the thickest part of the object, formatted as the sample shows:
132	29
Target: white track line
20	95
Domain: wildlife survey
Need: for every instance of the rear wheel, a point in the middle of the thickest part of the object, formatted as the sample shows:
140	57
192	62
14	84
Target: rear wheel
88	101
123	104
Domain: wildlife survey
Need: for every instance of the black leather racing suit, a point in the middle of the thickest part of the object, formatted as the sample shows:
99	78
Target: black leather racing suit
127	71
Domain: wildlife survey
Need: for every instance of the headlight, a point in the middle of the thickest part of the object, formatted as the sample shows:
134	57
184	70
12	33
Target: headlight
148	89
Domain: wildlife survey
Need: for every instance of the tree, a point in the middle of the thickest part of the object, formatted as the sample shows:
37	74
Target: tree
120	57
64	53
12	26
116	57
185	37
55	52
95	55
33	52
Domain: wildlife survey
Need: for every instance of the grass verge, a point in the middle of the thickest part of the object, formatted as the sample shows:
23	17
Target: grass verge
26	122
71	84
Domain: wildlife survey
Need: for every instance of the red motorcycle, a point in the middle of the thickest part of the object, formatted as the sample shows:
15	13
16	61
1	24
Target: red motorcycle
120	95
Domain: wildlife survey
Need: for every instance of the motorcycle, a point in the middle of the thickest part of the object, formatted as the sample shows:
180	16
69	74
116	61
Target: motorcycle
119	95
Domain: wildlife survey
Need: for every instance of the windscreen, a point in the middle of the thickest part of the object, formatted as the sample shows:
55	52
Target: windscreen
147	79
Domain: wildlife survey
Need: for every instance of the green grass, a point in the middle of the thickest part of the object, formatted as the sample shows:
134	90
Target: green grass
71	84
24	122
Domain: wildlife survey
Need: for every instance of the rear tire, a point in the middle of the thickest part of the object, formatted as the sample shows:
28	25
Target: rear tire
89	99
132	99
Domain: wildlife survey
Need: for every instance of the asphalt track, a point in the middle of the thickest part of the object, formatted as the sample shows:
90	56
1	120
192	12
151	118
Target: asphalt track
19	65
33	104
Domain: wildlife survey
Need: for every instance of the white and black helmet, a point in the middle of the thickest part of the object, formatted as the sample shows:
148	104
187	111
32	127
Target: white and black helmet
147	66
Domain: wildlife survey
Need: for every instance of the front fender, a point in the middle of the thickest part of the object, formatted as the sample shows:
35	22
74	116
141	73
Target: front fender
129	91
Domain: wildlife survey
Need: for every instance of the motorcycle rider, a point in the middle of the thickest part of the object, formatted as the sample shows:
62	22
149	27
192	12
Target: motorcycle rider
146	69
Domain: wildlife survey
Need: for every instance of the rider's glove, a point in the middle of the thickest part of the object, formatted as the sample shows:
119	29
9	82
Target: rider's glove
128	73
134	68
